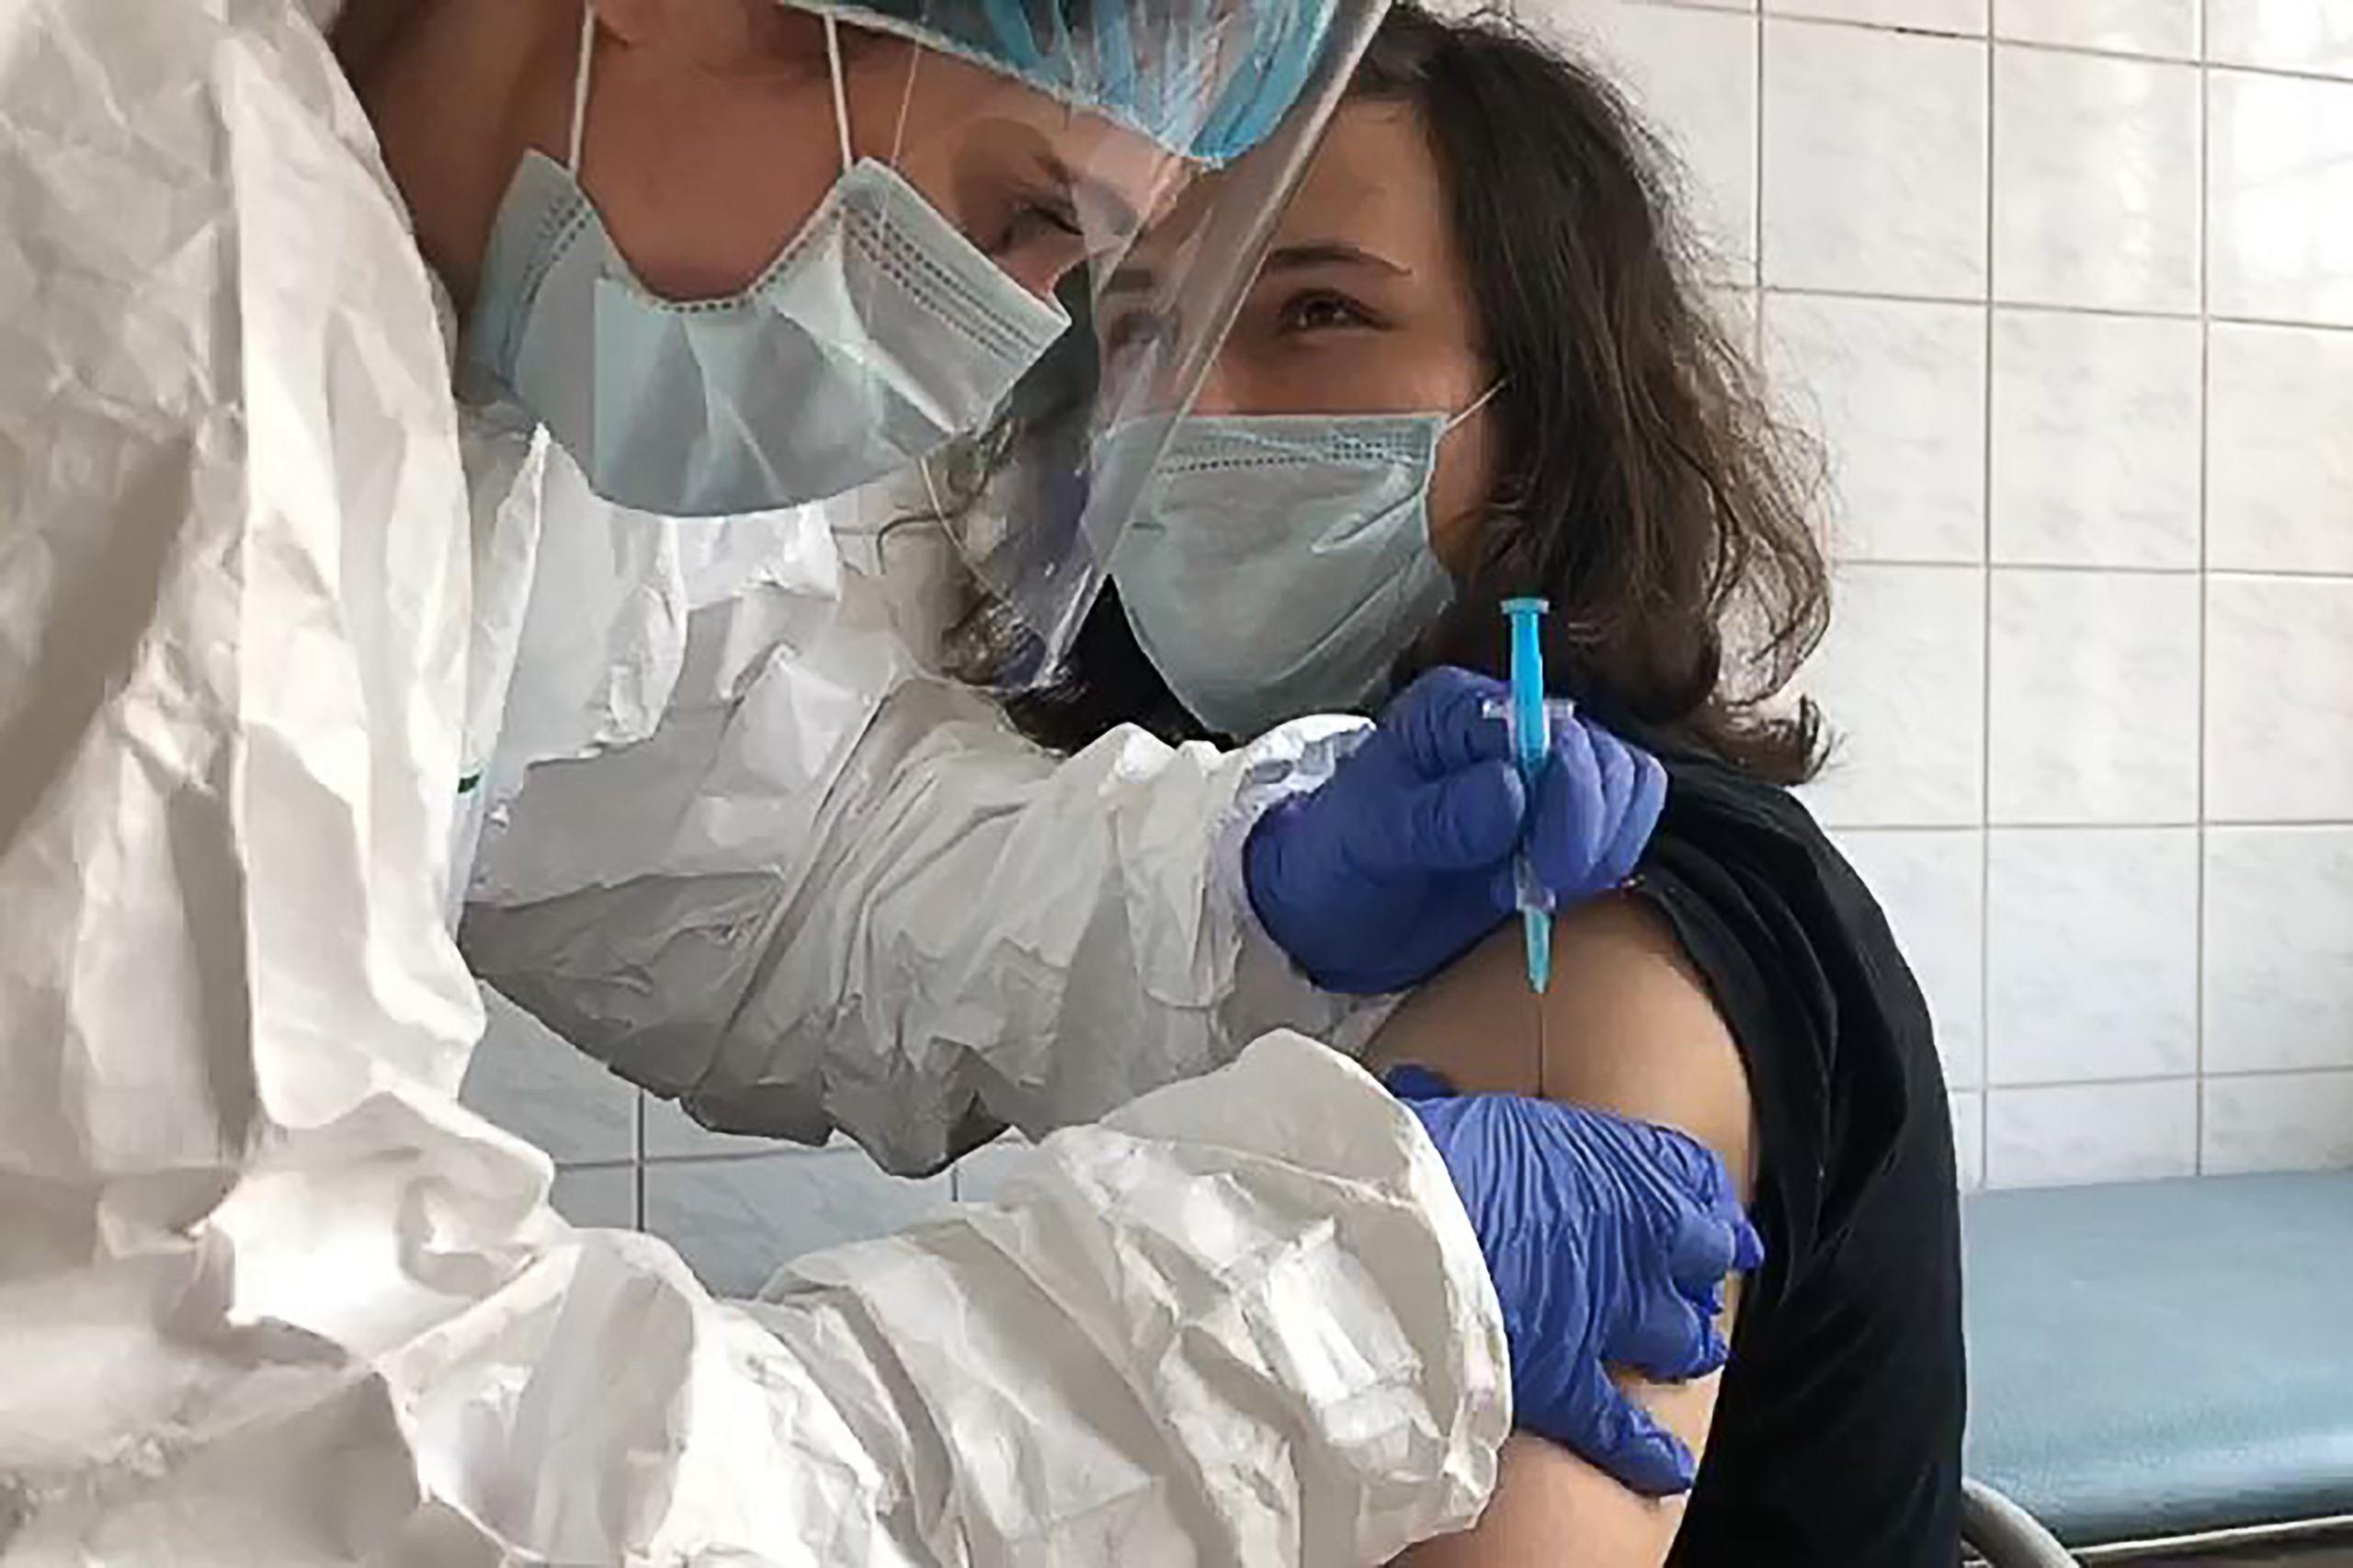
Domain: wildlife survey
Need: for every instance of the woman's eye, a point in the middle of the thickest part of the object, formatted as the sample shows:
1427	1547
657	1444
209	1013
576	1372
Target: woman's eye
1322	312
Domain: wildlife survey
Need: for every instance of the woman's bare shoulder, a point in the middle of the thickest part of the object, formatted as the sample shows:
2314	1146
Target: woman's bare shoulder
1627	1024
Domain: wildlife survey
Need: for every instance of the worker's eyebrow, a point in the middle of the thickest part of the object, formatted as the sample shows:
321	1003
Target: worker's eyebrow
1101	203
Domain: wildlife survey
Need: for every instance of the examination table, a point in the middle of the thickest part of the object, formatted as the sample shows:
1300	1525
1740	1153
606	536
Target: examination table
2162	1368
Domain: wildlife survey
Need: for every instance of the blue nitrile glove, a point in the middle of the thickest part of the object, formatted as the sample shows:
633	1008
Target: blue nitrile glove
1402	859
1609	1242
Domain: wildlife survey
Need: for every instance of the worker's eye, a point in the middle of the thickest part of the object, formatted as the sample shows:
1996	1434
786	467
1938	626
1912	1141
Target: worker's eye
1322	309
1037	242
1033	222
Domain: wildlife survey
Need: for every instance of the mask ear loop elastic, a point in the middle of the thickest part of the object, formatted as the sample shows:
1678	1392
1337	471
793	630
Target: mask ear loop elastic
580	87
906	101
1477	403
898	140
841	96
841	90
1430	472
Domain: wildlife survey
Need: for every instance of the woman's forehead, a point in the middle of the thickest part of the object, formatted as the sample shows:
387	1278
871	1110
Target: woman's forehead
1375	178
1374	186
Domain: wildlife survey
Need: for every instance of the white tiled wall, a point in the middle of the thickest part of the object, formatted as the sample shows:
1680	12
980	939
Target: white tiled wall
2068	284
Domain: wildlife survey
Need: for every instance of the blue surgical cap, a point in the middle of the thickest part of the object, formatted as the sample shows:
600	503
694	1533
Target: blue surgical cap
1207	79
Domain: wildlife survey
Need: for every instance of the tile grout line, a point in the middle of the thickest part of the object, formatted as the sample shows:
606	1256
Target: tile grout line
2081	569
2237	1075
1985	656
1756	180
2039	307
772	1149
2205	532
2196	59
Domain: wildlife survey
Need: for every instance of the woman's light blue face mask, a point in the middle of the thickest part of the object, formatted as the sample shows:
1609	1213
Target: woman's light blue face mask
877	334
1278	564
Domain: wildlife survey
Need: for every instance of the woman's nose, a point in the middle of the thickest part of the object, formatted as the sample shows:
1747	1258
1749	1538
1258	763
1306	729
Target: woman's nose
1221	393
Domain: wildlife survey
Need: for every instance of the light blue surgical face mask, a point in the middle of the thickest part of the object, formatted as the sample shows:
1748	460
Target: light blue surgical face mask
877	335
1276	565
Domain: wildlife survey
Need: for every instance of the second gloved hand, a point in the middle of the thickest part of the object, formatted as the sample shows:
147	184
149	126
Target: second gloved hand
1609	1241
1402	860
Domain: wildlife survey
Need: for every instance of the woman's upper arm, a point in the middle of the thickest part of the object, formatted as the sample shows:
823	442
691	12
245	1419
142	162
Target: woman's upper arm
1627	1026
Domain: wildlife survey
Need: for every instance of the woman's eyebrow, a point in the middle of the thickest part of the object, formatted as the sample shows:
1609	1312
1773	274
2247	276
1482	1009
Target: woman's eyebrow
1137	278
1328	253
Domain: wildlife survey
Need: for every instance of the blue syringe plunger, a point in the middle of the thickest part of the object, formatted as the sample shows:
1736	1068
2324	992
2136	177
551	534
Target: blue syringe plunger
1531	730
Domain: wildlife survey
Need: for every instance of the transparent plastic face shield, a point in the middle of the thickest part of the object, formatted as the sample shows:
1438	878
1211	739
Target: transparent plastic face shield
1068	180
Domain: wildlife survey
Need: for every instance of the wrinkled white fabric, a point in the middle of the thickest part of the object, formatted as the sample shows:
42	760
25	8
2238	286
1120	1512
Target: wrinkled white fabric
268	1294
827	889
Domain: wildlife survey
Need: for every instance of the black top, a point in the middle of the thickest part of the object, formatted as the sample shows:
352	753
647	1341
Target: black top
1836	1436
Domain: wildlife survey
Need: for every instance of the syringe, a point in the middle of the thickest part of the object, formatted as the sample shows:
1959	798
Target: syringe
1531	747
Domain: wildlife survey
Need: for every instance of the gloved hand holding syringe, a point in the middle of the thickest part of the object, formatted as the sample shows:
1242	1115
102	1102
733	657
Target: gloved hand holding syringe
1449	817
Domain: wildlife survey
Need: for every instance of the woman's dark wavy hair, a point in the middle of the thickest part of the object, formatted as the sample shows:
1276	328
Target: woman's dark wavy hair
1643	485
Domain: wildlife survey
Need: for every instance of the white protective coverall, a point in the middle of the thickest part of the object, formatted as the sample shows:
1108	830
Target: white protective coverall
267	1293
759	861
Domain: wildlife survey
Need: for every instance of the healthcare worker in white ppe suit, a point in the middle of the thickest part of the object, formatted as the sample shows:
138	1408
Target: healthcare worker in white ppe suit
269	1294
